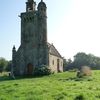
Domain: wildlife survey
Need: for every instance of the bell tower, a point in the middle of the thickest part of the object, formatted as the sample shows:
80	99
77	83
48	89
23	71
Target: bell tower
42	33
42	22
30	5
33	51
29	23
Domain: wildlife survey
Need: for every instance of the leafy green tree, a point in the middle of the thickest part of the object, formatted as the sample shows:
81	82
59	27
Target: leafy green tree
8	67
67	64
3	64
81	59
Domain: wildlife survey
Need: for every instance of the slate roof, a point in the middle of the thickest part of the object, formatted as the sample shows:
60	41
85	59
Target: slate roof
53	50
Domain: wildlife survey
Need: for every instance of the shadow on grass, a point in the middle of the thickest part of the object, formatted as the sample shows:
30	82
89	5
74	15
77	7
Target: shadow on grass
7	78
77	79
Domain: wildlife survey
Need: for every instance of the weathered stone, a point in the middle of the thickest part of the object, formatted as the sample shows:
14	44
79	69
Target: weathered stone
34	50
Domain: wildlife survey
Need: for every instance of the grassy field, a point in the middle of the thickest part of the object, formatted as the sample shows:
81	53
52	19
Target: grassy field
62	86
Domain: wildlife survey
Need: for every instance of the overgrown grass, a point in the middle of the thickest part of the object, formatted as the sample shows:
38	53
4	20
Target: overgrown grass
62	86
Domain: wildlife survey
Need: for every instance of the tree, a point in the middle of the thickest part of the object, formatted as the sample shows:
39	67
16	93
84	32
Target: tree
81	59
8	67
3	64
67	64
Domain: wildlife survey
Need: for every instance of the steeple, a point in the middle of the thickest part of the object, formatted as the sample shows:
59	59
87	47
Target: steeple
30	5
13	52
42	4
42	9
14	49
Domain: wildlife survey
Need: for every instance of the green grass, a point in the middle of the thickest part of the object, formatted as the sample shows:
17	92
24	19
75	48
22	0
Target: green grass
62	86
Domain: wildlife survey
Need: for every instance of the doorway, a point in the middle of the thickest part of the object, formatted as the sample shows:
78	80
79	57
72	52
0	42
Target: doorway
58	69
29	69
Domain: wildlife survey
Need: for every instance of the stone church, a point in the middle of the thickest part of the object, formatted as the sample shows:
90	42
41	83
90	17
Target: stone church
34	50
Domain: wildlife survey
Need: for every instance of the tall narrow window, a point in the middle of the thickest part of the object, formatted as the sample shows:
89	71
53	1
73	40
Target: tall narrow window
58	67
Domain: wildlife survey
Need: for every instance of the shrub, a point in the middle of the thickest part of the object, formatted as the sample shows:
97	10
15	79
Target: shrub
43	70
84	71
79	97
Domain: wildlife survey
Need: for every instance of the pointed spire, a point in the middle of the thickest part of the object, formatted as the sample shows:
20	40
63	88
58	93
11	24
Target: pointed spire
14	47
41	0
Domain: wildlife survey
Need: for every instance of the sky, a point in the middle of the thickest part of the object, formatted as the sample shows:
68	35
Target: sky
73	26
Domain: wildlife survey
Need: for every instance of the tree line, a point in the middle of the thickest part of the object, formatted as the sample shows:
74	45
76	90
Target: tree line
82	59
5	65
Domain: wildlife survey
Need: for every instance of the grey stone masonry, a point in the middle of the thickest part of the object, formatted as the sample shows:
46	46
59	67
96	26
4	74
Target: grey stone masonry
34	50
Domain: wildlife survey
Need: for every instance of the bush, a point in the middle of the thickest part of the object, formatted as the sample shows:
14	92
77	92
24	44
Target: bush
85	71
3	64
79	97
41	71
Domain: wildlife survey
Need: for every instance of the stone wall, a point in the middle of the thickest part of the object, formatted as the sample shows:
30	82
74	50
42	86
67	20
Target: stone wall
53	63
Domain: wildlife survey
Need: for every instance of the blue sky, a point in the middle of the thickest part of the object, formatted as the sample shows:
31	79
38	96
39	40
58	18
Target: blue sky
73	26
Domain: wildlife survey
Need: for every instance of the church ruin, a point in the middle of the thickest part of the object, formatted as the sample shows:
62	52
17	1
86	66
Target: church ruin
34	50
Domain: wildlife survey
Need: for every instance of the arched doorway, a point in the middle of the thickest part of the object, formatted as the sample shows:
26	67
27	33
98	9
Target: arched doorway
29	69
